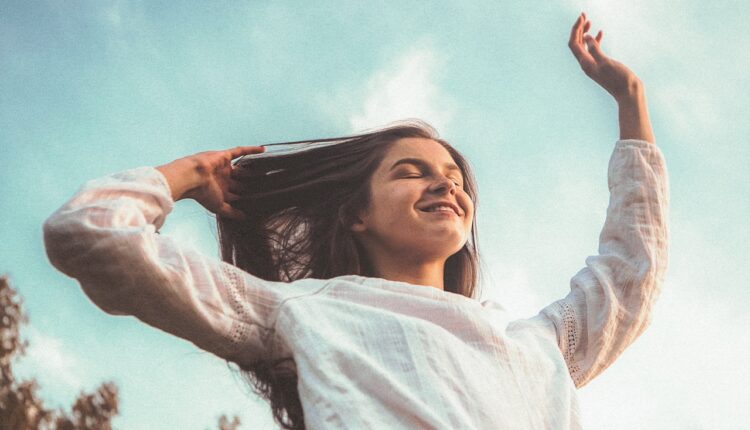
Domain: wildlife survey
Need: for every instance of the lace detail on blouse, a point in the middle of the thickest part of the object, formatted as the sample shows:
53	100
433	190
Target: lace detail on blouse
240	329
569	337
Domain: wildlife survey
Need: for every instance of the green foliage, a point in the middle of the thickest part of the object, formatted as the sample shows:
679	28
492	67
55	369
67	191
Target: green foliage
20	406
225	424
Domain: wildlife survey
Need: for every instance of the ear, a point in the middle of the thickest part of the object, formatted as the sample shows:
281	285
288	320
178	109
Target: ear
358	226
354	223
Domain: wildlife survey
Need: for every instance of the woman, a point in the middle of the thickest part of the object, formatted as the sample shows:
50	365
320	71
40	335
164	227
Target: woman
350	298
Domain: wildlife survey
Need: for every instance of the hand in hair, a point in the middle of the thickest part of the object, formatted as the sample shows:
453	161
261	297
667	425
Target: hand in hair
611	75
205	178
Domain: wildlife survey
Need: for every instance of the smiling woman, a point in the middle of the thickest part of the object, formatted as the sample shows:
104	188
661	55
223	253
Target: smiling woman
347	293
352	205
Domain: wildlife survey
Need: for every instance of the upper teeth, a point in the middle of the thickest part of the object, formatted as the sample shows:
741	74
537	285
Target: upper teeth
440	208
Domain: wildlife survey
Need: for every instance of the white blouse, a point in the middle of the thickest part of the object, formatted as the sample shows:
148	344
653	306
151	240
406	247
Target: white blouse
372	353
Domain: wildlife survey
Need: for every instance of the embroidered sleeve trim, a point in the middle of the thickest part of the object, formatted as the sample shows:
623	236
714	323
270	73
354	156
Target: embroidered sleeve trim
569	338
240	329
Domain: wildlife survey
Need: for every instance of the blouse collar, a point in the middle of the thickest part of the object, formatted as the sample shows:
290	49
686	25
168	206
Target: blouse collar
407	288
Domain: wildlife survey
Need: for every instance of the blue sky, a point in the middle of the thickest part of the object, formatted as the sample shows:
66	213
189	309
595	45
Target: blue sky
89	88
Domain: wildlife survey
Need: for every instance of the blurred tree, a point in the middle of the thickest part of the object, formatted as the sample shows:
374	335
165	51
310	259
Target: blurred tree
22	409
225	424
91	411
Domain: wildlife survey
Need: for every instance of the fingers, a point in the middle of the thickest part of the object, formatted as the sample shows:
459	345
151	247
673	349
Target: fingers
594	48
576	44
574	34
245	150
228	211
235	187
586	48
231	197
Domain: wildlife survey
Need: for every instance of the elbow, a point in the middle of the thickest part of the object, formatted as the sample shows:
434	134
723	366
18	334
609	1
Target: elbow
68	243
652	269
638	297
72	249
57	240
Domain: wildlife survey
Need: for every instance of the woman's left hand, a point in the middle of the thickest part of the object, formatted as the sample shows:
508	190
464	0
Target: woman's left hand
611	75
206	178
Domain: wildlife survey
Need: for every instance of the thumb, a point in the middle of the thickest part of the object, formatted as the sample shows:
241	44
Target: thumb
594	48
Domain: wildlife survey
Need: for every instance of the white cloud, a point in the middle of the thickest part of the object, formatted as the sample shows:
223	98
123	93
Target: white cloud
636	30
689	109
112	14
188	233
191	226
509	286
49	360
688	370
405	88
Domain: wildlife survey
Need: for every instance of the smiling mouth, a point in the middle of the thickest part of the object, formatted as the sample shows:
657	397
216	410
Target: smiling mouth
441	212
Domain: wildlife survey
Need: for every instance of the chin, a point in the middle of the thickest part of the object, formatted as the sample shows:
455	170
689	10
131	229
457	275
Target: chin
443	249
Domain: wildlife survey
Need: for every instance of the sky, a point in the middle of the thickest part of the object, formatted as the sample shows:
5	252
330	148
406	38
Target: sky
89	88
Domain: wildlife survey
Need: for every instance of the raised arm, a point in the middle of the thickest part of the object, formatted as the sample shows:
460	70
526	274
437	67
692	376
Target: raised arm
106	236
610	300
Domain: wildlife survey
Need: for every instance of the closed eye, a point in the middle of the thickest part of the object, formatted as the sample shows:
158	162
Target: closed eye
415	175
422	166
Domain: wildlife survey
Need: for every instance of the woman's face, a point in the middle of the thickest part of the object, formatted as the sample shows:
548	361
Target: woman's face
418	208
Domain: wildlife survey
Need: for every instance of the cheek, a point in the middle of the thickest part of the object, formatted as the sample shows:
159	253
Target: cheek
394	203
471	209
469	206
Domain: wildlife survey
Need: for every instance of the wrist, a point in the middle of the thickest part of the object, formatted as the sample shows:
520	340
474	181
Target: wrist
634	95
182	177
633	116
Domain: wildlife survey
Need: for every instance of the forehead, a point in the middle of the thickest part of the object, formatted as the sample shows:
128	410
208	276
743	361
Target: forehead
428	150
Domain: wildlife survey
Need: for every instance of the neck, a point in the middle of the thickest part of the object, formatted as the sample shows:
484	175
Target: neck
429	273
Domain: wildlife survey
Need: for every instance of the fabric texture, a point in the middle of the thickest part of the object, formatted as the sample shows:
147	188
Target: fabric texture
372	353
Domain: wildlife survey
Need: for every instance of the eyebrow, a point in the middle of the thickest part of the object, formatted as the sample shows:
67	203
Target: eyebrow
423	164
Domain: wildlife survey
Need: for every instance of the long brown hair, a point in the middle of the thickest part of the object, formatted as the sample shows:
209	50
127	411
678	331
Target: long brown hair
300	206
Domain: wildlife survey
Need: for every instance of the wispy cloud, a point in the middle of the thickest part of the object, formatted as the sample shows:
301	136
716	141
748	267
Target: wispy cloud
635	29
689	108
50	361
112	14
509	286
193	228
407	86
687	371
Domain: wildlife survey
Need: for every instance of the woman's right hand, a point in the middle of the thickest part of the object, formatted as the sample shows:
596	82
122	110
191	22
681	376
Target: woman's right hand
205	178
616	78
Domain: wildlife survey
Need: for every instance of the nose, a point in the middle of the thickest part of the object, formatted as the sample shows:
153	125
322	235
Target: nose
443	184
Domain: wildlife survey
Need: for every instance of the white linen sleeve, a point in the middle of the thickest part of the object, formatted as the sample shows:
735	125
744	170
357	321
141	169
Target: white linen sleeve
106	236
610	300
